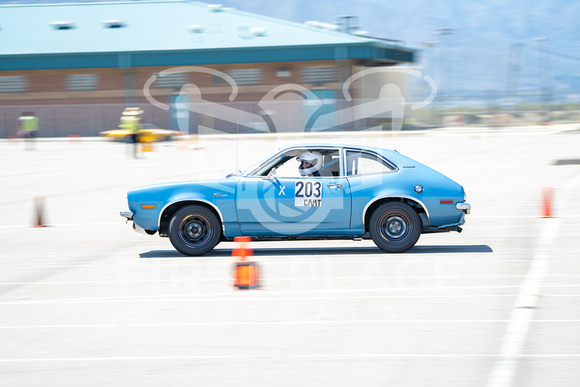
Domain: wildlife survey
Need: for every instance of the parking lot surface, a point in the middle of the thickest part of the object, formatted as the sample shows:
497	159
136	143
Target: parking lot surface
85	298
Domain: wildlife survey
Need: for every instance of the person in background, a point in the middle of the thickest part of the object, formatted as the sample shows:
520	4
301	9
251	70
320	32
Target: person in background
28	128
130	120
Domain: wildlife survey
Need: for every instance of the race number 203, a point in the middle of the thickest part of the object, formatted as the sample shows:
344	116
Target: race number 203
308	193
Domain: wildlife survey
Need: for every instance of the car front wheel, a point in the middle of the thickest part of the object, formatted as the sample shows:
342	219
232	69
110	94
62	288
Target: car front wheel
395	227
194	230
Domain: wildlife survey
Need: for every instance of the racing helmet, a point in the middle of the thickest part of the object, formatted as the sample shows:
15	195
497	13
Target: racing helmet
313	158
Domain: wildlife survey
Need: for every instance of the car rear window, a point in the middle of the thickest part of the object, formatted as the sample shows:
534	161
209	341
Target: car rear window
366	163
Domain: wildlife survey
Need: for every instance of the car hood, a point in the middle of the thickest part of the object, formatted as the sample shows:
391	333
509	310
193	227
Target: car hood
195	189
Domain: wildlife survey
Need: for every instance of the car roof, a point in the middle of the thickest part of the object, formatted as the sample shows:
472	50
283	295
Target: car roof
382	151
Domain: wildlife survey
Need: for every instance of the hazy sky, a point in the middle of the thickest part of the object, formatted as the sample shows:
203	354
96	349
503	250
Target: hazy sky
479	47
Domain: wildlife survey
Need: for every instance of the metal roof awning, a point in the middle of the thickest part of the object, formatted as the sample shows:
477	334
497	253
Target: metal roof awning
168	33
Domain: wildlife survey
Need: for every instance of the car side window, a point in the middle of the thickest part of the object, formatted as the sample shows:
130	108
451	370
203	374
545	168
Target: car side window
287	165
366	163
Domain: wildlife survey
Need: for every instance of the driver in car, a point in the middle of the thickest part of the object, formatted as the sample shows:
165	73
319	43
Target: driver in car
310	163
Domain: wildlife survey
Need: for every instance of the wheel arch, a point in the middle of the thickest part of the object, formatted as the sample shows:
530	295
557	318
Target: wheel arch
167	213
419	206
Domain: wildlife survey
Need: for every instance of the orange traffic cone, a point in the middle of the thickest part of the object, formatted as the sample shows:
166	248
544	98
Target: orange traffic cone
245	272
547	203
39	211
242	249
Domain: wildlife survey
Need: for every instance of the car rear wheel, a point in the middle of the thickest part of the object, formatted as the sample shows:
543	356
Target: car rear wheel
395	227
194	230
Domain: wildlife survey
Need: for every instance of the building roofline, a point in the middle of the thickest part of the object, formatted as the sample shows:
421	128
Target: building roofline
315	43
366	53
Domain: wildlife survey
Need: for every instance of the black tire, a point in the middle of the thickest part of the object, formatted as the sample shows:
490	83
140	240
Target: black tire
194	230
395	227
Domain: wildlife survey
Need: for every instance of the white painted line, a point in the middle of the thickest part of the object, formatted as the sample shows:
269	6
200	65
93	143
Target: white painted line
60	326
63	225
342	297
252	357
183	261
303	278
522	301
255	295
258	323
505	367
166	300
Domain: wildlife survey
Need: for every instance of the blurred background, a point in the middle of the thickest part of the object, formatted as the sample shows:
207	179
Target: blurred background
489	63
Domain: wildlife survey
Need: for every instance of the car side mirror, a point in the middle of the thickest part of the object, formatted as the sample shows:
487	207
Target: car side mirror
236	173
271	175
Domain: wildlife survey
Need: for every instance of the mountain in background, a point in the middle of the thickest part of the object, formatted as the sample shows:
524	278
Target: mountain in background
539	40
493	46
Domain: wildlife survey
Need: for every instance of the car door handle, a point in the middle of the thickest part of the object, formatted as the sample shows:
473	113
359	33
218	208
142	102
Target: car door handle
334	185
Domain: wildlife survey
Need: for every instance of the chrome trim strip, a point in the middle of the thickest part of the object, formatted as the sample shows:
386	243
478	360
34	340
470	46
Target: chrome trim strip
464	207
395	197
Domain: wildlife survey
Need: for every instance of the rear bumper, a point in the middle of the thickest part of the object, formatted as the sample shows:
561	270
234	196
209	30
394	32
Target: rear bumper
127	214
466	207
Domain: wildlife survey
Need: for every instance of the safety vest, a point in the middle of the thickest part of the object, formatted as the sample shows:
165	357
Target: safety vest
28	124
131	123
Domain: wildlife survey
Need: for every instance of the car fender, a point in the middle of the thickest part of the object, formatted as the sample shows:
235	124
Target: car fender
392	197
193	201
216	195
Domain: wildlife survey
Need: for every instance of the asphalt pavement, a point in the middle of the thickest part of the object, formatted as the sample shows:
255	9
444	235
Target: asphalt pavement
85	300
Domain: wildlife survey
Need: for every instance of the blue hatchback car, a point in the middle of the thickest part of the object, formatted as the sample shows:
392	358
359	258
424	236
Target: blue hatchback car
309	191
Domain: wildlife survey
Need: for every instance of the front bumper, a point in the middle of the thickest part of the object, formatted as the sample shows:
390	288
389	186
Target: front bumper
466	207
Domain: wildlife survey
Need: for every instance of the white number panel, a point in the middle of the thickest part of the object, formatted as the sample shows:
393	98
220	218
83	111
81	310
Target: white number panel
308	193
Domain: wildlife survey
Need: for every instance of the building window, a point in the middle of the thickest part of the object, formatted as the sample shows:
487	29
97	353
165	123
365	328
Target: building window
171	81
82	82
324	74
13	84
246	77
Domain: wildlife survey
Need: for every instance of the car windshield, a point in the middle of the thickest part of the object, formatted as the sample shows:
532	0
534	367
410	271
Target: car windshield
265	169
